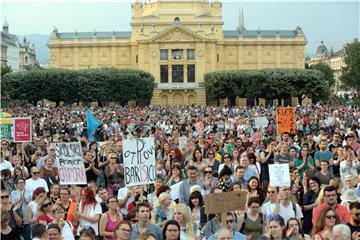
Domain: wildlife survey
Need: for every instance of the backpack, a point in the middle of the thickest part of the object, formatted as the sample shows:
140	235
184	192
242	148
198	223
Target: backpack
245	218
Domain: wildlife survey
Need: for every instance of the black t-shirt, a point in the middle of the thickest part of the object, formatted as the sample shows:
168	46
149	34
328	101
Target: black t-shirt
90	175
13	235
354	228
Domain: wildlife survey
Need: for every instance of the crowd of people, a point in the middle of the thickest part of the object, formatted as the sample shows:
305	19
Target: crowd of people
223	151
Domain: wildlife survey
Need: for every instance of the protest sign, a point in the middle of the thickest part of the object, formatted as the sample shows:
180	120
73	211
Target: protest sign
139	161
69	158
6	128
182	142
285	120
260	122
225	202
174	190
279	175
22	130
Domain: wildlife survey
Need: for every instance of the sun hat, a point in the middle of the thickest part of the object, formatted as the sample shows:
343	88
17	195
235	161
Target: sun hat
349	196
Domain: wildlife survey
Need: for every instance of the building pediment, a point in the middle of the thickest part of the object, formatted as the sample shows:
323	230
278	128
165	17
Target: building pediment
177	33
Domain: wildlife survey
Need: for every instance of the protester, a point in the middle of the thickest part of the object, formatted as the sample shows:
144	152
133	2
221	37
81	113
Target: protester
326	220
277	228
171	230
110	219
354	223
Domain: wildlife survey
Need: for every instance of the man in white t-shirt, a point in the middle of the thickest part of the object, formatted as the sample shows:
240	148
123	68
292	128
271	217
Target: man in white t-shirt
287	208
5	164
126	195
35	181
268	207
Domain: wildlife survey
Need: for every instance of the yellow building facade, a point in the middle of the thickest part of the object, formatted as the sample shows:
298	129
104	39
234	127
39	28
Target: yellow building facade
178	41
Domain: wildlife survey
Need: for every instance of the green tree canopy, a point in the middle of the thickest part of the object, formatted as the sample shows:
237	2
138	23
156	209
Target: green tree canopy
327	70
351	72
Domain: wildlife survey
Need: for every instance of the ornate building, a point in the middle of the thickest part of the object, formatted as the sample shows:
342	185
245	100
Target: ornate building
178	41
334	59
9	48
27	55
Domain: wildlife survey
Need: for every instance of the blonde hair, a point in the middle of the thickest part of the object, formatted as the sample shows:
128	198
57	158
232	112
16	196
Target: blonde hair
185	212
163	197
41	201
320	199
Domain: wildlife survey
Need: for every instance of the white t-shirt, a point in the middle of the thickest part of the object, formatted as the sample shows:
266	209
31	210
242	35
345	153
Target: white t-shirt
122	193
67	231
31	184
33	205
268	208
288	212
91	211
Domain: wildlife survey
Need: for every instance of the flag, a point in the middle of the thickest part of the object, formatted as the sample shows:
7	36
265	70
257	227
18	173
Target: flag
92	123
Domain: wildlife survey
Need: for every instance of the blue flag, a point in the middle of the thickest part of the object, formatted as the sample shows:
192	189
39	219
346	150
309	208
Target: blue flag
92	123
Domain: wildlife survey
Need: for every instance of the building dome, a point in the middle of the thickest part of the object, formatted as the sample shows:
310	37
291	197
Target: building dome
322	50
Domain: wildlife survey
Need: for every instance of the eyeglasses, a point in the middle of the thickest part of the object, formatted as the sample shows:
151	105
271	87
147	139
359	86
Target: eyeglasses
4	196
36	173
230	221
210	153
208	172
273	217
331	216
357	214
226	157
46	205
113	157
271	192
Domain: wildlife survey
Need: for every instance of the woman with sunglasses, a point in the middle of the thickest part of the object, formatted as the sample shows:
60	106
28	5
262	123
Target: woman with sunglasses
5	151
110	219
294	231
227	160
208	179
122	231
44	211
211	161
323	227
171	230
277	229
114	175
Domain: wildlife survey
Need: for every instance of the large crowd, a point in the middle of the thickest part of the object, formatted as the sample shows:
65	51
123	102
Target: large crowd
223	151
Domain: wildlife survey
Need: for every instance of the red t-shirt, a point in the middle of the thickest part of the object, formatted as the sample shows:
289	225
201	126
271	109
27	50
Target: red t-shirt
45	218
342	211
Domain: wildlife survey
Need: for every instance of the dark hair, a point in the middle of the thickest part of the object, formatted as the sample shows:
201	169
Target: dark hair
108	199
142	204
18	179
354	205
192	167
194	195
162	189
300	228
89	231
330	188
170	222
226	171
238	167
315	179
38	230
54	226
258	188
118	226
252	200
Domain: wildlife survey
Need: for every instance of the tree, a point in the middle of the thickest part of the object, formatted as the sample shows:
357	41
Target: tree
327	70
351	72
5	69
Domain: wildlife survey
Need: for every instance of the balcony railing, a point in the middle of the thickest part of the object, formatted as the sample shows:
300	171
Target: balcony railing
179	85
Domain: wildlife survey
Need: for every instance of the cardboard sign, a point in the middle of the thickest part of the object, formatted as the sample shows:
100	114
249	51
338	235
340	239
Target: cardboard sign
279	175
6	128
139	161
260	122
69	158
22	130
285	120
225	202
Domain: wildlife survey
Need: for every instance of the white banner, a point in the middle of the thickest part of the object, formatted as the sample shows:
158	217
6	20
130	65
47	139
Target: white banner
69	158
279	175
139	161
260	122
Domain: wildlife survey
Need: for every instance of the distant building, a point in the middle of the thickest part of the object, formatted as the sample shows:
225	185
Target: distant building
178	42
27	55
334	59
9	48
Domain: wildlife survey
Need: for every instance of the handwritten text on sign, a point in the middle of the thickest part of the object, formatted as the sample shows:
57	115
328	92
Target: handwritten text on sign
139	161
69	158
279	175
285	120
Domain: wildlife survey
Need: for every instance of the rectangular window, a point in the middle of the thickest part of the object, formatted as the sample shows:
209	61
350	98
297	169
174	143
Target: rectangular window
177	54
177	73
191	73
191	54
217	57
164	74
137	59
164	54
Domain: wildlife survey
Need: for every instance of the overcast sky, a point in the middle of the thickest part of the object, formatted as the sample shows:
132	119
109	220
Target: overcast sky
336	22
